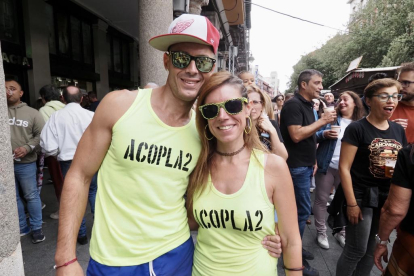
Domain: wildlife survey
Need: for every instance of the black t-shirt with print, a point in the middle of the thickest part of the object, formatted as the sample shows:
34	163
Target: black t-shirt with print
298	111
374	147
404	177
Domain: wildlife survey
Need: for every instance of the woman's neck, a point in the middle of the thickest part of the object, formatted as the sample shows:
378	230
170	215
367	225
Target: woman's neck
346	115
377	122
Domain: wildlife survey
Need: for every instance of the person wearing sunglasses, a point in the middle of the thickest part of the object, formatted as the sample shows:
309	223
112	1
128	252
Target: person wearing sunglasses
404	113
368	147
145	145
267	128
235	188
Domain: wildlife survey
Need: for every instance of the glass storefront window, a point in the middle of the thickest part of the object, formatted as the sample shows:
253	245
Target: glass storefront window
125	58
75	28
8	21
63	34
51	28
87	43
117	55
108	45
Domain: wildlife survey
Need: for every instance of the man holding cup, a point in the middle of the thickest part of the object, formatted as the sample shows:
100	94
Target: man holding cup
404	112
298	127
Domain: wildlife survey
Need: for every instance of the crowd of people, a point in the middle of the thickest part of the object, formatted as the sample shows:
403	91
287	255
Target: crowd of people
212	152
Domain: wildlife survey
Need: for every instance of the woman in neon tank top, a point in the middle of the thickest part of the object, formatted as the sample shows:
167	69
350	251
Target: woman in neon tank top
235	188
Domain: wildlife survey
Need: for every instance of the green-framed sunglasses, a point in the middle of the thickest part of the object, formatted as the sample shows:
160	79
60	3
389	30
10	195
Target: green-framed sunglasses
181	60
232	107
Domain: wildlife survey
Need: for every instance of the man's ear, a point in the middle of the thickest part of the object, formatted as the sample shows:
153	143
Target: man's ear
303	85
21	93
166	59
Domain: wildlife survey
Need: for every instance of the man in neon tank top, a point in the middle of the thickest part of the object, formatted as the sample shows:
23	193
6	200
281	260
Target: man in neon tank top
140	225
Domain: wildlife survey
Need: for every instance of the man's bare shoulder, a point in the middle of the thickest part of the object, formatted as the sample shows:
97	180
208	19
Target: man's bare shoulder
114	105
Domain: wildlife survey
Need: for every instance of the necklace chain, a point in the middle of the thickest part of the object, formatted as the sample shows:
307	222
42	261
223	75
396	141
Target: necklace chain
231	153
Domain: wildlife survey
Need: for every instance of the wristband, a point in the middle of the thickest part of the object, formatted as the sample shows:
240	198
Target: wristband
65	264
352	205
294	269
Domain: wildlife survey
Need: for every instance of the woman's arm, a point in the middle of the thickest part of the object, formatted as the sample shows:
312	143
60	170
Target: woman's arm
346	159
278	147
279	184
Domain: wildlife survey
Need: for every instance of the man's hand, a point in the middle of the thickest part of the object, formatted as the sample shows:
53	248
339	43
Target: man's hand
329	116
330	134
273	244
20	152
380	251
402	122
71	270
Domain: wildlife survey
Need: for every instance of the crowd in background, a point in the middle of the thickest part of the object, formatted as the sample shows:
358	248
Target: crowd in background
354	154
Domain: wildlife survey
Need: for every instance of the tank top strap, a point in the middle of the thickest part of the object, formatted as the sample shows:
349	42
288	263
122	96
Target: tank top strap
258	163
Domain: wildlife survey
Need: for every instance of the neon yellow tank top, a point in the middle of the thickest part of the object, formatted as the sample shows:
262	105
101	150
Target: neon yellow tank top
231	227
139	210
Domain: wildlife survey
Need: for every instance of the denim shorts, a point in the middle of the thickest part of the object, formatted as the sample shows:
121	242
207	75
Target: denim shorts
177	262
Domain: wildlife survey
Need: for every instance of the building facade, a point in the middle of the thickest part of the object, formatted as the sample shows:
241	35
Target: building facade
103	46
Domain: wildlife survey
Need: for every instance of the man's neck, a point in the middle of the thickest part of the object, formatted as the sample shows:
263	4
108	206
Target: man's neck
13	105
407	103
305	96
172	111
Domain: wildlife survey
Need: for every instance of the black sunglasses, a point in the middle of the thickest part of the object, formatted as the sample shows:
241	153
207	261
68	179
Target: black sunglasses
182	60
232	107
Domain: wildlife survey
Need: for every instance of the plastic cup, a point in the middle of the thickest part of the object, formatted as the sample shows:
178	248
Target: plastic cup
337	129
328	109
389	167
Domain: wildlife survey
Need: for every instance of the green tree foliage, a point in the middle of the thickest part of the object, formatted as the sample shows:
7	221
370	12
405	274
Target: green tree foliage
381	32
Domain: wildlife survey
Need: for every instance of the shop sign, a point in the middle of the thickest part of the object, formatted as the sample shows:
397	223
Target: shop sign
16	59
355	75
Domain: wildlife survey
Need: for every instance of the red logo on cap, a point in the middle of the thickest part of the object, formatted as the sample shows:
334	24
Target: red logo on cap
181	26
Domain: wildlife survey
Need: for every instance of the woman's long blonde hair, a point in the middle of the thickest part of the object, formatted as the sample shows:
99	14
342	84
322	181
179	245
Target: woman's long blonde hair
265	98
199	176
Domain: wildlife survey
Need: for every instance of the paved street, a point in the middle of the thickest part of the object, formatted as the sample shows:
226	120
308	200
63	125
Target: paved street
39	258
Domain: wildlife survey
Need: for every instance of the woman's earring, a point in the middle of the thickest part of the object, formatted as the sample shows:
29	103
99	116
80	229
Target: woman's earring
248	125
205	133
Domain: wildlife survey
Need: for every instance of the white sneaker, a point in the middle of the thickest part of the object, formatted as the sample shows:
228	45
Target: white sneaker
340	237
323	240
55	215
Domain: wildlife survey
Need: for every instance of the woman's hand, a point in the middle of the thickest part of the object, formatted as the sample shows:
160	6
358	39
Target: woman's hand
265	124
330	134
380	251
354	214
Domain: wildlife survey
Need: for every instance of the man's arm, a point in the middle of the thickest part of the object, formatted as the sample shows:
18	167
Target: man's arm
299	133
49	138
392	213
91	150
38	124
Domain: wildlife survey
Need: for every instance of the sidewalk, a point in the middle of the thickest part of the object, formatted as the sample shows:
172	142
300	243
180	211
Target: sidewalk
39	258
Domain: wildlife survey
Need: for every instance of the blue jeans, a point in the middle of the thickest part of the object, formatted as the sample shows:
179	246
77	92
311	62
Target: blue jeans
357	258
177	262
301	178
25	179
64	166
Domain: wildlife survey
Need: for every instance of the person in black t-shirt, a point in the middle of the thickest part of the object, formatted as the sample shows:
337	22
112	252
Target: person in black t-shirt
399	208
367	147
298	127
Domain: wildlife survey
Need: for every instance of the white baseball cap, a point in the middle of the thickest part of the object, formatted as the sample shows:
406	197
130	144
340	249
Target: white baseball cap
188	28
